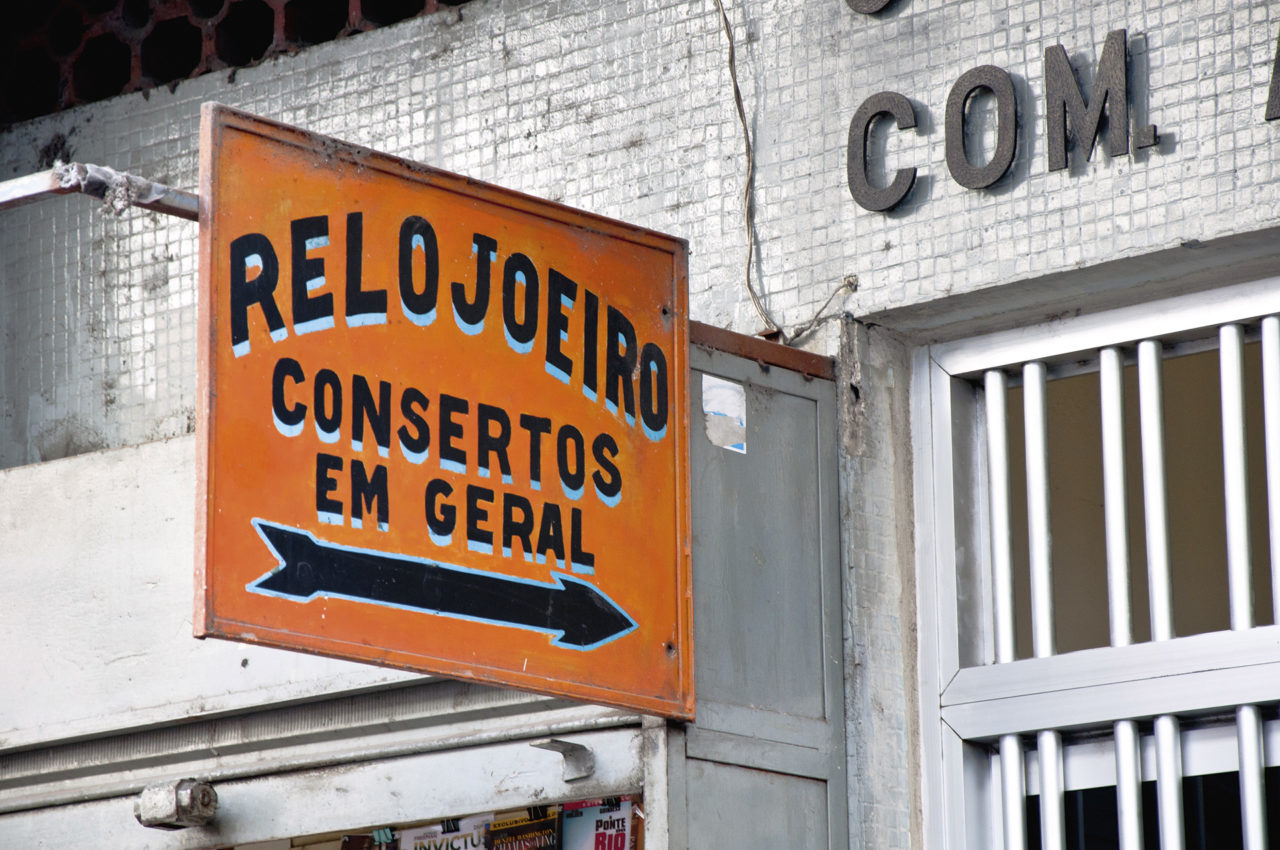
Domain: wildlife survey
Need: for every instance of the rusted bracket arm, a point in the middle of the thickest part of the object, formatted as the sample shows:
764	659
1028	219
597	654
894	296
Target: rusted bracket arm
119	191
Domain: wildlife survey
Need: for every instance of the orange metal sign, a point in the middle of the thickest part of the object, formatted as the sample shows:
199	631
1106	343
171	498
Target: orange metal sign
443	426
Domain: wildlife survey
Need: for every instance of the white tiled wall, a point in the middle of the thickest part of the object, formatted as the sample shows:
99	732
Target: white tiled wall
626	109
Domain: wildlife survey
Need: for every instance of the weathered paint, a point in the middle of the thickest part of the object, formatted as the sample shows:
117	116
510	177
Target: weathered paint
445	423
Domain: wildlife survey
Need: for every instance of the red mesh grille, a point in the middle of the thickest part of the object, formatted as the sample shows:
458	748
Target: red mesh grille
57	54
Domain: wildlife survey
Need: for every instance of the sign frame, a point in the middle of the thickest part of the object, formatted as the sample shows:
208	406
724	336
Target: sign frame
234	145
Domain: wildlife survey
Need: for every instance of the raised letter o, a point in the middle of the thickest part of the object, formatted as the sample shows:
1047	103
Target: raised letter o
997	81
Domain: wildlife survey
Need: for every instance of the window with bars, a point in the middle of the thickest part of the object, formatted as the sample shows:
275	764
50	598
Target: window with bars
1098	528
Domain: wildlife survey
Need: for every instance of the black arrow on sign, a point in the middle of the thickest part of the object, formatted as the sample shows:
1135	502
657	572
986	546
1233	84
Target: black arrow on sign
575	613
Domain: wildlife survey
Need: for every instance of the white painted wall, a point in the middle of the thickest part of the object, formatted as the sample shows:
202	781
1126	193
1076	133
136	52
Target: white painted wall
98	592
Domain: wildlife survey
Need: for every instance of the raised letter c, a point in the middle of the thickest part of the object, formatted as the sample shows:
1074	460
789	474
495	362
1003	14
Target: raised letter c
869	197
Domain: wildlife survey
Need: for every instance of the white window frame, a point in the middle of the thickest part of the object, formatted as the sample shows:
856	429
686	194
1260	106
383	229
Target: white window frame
971	712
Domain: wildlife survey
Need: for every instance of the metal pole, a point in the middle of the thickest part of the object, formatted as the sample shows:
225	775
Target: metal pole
1053	822
1129	784
1168	736
1127	742
1111	386
997	386
1235	474
1235	467
1053	830
118	190
1033	401
1013	793
1271	418
1150	405
1013	785
1253	799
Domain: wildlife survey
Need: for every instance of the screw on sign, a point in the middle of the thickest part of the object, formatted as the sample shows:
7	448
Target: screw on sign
444	426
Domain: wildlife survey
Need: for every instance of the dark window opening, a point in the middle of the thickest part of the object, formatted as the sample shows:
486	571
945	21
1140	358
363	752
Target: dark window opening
245	33
56	55
390	11
103	68
172	51
1210	815
315	21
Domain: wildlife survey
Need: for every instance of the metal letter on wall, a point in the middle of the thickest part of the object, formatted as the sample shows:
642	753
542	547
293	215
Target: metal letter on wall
1065	106
1273	93
869	197
444	425
997	81
867	7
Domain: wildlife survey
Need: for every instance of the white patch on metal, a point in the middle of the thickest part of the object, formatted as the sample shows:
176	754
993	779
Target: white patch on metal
724	413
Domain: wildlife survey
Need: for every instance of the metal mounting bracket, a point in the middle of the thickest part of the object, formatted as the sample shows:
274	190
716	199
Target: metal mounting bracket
579	761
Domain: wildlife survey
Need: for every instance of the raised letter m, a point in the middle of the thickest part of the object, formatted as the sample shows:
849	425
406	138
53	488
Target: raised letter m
1065	103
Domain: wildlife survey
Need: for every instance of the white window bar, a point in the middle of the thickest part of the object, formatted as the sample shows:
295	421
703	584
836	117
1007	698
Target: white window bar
997	387
1235	475
1033	404
1271	428
1129	784
1168	743
1165	678
1011	759
1251	756
1013	793
1127	743
1053	833
1253	803
1236	492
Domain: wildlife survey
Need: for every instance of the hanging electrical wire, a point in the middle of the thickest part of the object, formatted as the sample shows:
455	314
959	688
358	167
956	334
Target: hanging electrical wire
748	211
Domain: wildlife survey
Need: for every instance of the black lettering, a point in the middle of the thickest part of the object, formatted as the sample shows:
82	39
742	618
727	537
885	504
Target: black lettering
517	527
868	197
551	533
441	516
571	460
520	269
309	314
329	510
451	456
1000	84
481	537
364	408
653	391
561	293
260	290
536	426
578	555
489	443
288	419
470	314
327	405
590	343
608	485
413	404
364	307
619	364
366	491
419	307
